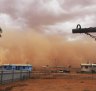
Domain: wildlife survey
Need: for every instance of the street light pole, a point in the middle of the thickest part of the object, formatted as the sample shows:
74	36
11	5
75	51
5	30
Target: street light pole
87	31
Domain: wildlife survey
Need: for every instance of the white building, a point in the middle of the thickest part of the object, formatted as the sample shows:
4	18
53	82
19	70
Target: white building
23	67
88	67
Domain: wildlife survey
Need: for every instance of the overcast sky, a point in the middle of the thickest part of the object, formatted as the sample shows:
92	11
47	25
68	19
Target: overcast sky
49	16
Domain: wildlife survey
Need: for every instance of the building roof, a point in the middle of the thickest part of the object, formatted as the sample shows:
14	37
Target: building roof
89	64
16	64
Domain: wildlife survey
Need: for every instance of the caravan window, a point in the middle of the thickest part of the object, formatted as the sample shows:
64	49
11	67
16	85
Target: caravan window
86	67
5	67
23	67
94	65
82	66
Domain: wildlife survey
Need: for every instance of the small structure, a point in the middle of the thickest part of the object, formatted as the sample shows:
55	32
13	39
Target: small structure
23	67
88	68
14	72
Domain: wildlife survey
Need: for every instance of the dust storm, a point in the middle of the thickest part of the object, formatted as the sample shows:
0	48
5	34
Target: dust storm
38	49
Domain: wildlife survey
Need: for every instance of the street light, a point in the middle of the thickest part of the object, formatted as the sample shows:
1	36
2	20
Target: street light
83	30
87	31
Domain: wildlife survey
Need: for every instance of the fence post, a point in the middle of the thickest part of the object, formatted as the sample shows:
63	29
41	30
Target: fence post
1	76
29	74
20	74
12	75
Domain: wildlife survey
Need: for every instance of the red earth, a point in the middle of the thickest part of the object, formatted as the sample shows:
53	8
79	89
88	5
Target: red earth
52	85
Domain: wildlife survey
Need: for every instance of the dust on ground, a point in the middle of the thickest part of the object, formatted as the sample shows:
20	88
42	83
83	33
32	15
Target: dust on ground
52	85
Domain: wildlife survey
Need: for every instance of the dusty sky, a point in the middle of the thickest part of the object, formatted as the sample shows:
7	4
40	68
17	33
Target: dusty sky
31	26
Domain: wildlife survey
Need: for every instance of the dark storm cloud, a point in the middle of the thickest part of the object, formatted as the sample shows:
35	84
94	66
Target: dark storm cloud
38	13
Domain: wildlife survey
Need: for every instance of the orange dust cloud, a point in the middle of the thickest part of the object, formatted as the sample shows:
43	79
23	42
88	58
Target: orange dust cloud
28	46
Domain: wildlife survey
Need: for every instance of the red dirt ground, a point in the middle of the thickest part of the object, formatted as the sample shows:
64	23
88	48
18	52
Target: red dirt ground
52	85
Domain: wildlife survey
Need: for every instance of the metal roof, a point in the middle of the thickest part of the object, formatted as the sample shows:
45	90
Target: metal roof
16	64
88	64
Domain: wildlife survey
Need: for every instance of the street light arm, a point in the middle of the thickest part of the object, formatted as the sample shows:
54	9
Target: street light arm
83	30
87	31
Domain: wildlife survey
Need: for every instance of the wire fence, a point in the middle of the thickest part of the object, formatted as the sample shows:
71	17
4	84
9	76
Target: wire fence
49	75
11	76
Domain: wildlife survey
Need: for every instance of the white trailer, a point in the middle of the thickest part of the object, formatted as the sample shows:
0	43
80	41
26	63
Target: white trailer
88	67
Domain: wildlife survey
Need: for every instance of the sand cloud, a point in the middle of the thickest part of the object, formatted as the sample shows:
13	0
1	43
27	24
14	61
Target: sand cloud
39	30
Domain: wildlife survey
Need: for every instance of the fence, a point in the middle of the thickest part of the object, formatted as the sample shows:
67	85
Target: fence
11	76
50	75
